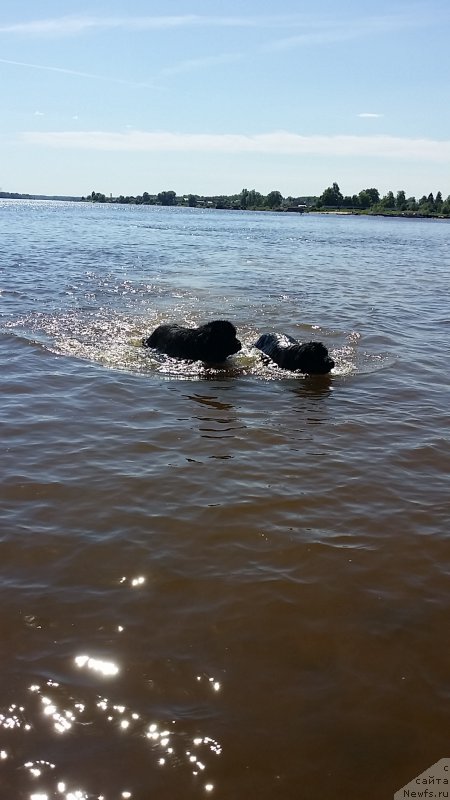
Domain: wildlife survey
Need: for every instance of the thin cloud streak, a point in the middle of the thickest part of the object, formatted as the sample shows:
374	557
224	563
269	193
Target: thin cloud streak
69	25
344	29
368	115
315	27
276	143
63	26
74	72
201	63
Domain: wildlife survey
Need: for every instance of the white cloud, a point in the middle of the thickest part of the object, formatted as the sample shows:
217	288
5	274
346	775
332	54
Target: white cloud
276	143
38	113
368	115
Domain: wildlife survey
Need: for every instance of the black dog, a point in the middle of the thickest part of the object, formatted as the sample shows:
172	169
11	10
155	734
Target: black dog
311	357
212	342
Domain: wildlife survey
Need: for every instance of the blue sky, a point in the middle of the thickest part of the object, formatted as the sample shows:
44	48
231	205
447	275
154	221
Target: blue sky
209	97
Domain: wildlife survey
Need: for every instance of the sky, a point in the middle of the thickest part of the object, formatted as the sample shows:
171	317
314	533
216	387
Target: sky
209	97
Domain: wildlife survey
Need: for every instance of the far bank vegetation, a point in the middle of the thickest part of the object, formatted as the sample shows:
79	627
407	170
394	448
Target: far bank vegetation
367	201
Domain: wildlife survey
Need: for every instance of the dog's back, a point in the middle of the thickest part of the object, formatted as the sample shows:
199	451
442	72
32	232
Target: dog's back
212	342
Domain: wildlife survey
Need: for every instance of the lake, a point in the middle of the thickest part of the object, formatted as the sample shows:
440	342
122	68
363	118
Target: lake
225	582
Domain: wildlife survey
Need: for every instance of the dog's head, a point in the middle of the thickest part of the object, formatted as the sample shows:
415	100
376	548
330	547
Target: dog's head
156	338
218	339
311	357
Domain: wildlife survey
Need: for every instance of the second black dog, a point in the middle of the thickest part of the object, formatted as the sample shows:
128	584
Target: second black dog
288	353
212	342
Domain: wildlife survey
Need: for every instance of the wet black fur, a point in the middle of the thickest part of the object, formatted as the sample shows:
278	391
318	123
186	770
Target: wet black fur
212	342
311	357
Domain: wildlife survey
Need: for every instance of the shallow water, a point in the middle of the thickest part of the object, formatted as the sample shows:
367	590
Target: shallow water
228	582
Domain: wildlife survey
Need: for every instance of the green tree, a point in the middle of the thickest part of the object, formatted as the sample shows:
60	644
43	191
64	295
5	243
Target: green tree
192	200
374	196
388	201
167	198
400	202
331	196
98	197
274	199
365	200
243	199
254	199
446	207
223	201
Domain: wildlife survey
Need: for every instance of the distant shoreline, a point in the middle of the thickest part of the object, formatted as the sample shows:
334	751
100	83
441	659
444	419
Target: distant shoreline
208	205
21	196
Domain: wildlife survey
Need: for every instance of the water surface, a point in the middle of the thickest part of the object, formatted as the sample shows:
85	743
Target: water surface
228	582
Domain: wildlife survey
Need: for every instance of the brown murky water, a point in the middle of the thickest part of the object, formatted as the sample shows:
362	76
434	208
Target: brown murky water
221	583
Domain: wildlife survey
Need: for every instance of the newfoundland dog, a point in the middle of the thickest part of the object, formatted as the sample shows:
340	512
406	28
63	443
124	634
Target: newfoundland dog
211	342
311	357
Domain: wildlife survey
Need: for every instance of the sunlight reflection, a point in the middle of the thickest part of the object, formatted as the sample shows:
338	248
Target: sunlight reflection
13	719
169	745
36	768
139	580
97	665
215	684
63	719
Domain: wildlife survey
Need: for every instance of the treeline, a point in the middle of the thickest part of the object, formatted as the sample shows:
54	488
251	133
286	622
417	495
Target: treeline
15	196
367	201
247	199
22	196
